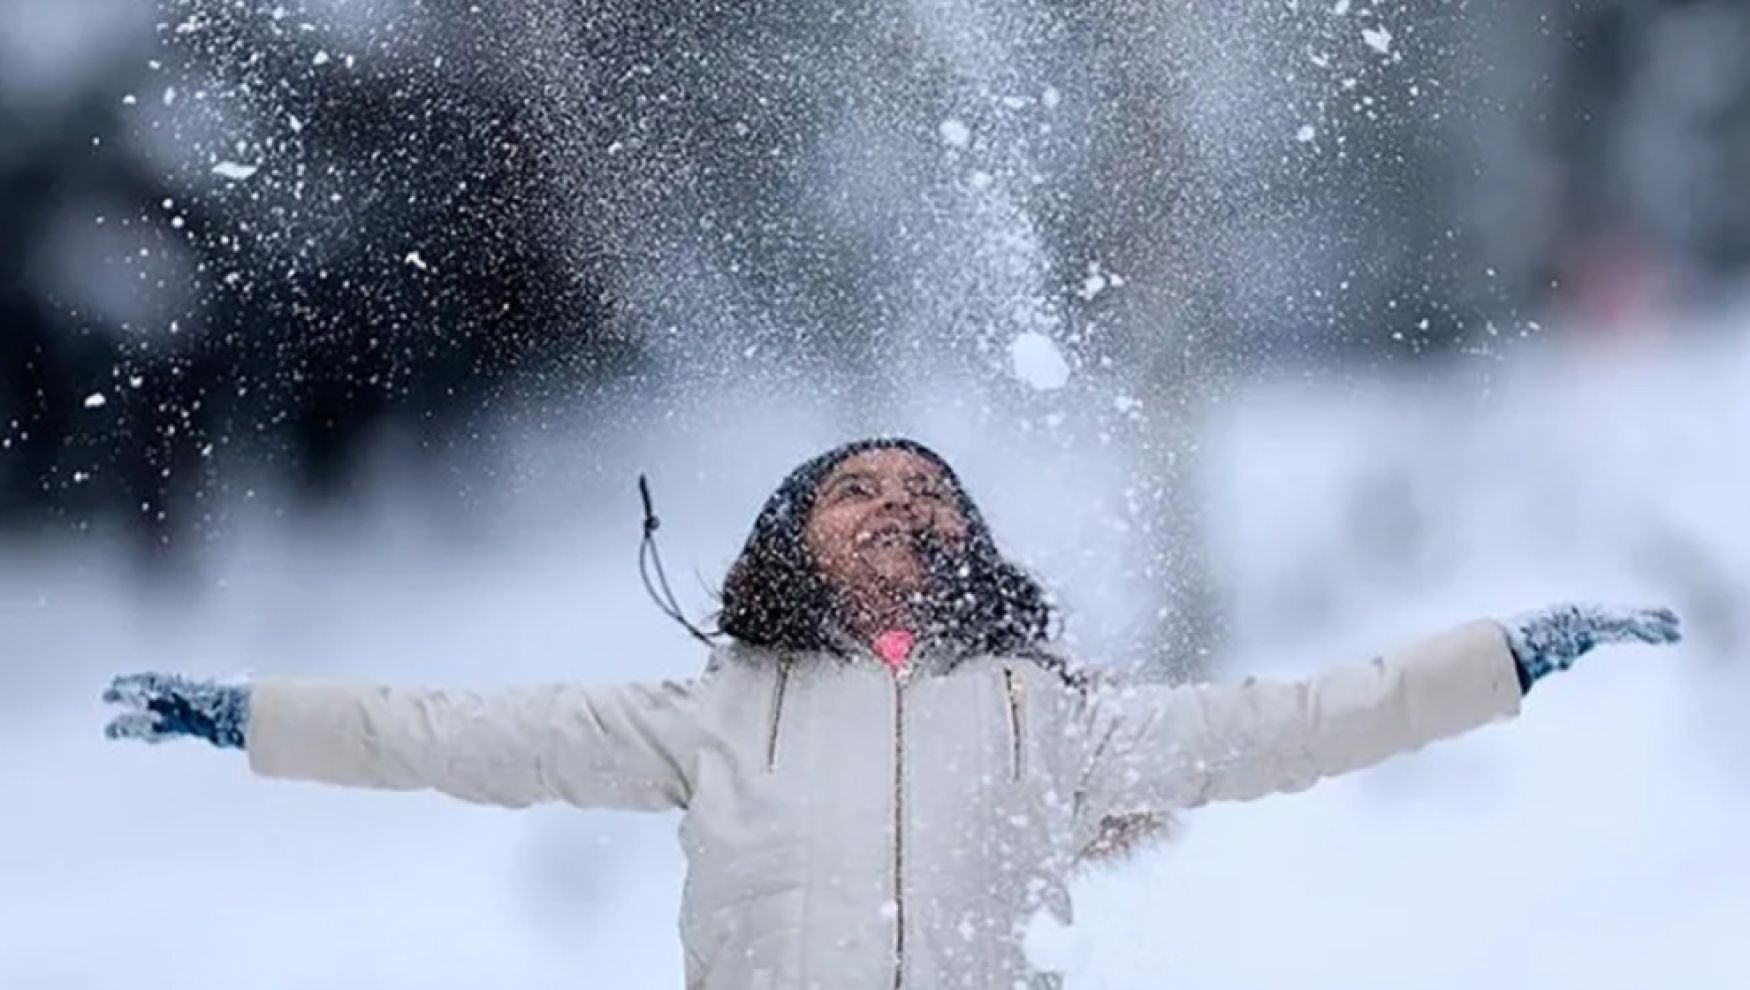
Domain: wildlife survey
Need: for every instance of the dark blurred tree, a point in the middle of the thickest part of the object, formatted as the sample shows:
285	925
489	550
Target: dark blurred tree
395	259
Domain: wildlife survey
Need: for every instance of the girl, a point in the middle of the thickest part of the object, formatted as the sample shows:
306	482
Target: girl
885	771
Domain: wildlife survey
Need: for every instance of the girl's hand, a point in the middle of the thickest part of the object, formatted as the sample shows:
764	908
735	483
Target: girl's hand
159	707
1551	639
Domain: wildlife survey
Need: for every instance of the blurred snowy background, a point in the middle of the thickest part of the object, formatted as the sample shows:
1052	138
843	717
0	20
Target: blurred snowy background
334	335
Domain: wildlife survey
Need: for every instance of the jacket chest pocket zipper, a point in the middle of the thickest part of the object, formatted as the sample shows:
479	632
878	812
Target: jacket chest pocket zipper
778	690
1013	692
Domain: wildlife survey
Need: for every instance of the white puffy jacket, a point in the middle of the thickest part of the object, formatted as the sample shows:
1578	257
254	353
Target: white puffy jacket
847	830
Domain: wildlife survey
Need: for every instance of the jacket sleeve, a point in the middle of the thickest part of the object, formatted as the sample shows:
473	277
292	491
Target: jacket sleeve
603	746
1155	748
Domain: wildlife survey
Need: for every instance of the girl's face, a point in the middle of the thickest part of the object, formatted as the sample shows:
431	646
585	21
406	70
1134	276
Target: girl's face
869	517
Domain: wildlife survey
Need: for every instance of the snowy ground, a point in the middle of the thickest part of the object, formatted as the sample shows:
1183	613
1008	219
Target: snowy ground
1597	842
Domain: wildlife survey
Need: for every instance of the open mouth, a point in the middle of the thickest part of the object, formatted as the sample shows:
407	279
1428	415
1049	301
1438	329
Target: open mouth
889	534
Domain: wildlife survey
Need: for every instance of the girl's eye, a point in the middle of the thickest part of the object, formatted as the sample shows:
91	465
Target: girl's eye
927	491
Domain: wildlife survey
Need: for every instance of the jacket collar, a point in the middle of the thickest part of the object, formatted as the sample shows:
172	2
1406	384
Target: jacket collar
931	652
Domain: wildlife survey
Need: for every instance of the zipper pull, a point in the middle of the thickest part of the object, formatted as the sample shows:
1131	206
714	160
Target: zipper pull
777	715
1013	686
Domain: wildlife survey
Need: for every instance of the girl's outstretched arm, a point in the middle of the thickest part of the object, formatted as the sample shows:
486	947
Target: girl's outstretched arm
608	745
1155	747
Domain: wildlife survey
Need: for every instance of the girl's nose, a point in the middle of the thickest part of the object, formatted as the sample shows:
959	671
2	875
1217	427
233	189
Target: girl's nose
902	500
902	507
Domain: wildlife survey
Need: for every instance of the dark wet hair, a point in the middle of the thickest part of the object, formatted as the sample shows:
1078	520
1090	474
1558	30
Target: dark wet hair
775	596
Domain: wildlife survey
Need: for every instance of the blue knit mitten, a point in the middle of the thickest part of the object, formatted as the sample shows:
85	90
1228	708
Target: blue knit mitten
1551	639
163	706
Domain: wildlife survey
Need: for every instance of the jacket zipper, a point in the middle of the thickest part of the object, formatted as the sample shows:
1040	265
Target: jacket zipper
777	715
1013	687
899	829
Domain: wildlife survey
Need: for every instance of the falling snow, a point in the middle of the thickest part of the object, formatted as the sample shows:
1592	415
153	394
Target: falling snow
1038	361
235	170
1097	280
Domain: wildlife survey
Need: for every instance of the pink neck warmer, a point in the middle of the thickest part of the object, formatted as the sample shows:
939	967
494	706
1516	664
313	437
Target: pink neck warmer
894	648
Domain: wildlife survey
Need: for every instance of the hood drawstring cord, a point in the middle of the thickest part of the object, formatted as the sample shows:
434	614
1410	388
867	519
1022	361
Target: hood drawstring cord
650	559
